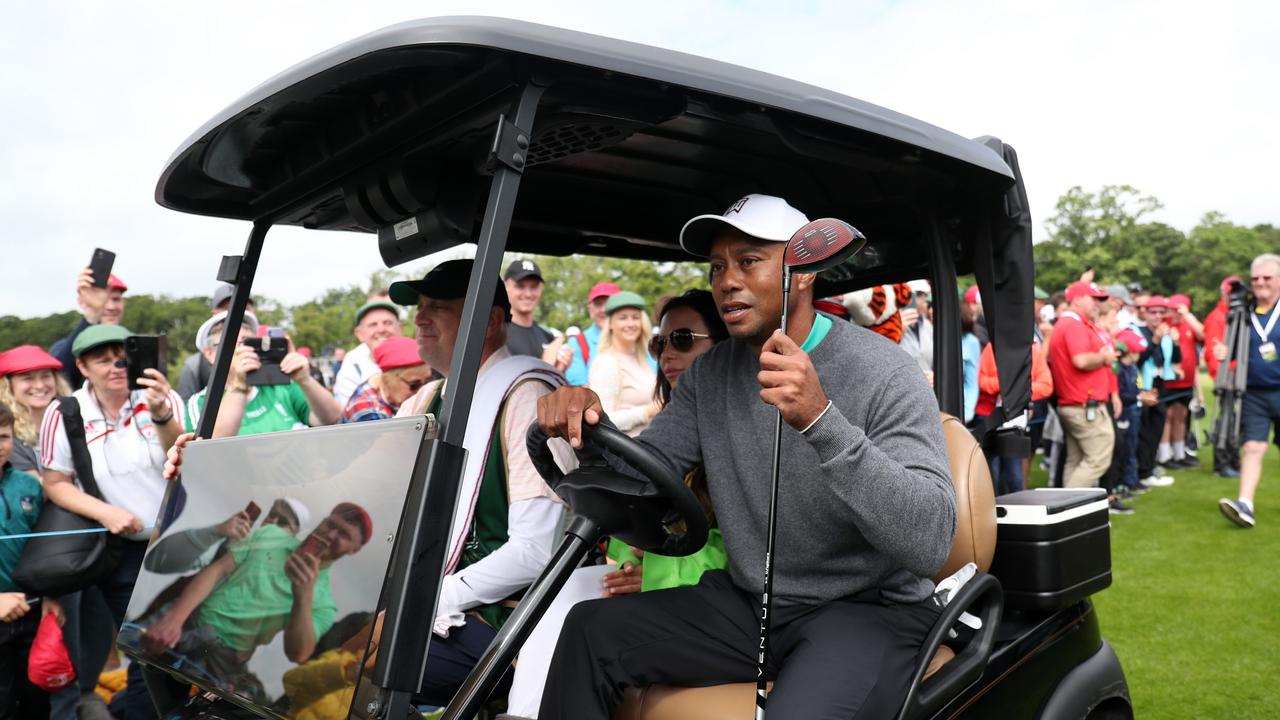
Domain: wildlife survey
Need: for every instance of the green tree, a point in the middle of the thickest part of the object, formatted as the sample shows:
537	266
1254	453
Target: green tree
326	322
1103	230
1218	248
568	279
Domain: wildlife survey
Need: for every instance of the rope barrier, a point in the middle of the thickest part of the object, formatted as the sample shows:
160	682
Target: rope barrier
56	533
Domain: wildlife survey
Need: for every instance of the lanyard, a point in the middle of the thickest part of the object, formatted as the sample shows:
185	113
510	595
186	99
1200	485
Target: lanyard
1264	332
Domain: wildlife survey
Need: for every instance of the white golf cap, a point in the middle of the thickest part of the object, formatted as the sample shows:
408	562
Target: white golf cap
202	335
760	216
300	510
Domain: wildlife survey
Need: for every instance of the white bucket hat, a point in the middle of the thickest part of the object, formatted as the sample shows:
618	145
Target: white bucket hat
202	335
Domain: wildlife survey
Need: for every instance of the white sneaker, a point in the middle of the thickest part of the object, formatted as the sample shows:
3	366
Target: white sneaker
1157	481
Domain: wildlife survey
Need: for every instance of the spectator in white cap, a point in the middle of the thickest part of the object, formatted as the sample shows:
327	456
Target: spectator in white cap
196	369
250	409
376	320
917	329
193	548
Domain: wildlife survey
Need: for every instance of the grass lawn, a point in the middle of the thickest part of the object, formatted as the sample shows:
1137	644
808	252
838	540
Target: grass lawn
1194	606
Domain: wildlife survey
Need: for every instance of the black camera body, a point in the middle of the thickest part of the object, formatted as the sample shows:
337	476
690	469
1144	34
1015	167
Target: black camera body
1238	296
271	351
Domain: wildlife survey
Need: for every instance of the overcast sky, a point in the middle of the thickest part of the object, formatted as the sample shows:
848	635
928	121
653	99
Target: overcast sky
1181	103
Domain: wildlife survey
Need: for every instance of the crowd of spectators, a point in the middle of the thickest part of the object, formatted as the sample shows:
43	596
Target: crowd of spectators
1114	384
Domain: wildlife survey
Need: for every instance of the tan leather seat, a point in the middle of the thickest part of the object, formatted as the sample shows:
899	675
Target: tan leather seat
975	541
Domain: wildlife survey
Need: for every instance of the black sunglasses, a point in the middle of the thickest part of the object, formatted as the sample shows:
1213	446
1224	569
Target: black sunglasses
681	339
415	385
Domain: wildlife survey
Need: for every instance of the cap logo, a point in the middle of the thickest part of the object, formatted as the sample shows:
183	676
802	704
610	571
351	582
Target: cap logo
736	207
527	265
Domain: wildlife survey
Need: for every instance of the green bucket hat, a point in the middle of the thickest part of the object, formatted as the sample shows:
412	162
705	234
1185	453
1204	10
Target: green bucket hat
1041	294
624	299
96	336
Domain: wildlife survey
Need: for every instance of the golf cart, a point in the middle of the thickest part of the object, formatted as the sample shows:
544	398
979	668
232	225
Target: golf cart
520	137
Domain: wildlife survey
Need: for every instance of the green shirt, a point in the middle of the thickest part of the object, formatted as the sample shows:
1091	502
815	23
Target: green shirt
252	605
662	572
20	501
270	408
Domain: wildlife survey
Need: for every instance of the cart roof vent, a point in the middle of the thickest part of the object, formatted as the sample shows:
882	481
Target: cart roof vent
571	138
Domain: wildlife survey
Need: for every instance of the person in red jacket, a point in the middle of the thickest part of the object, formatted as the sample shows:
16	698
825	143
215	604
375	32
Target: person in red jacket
1009	473
1225	464
1183	388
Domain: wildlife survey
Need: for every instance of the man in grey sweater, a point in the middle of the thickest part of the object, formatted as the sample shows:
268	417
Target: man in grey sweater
866	506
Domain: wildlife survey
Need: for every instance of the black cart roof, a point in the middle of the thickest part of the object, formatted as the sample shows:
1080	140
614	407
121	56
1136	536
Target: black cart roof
629	142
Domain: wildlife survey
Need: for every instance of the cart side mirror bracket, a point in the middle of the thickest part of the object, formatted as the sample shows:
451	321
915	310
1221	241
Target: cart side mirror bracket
229	269
510	147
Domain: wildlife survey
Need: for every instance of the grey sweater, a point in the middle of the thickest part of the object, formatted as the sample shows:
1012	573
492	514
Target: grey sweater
865	497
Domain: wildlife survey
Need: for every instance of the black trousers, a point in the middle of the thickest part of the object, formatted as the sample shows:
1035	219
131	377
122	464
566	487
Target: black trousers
844	659
19	698
1149	438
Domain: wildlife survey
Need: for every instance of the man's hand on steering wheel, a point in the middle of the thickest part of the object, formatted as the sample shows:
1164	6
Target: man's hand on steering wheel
562	412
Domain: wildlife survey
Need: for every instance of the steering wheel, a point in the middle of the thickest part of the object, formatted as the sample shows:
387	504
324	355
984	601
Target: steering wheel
637	511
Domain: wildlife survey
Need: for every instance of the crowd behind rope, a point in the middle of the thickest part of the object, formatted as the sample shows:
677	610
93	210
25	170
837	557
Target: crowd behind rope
1114	385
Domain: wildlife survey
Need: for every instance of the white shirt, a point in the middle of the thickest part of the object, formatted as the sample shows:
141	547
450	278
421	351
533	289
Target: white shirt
533	519
357	366
128	459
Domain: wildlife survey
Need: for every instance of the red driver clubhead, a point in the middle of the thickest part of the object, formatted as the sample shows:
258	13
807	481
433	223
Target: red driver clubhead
822	244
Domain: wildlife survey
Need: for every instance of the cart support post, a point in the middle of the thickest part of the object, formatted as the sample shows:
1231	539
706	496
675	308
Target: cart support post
419	562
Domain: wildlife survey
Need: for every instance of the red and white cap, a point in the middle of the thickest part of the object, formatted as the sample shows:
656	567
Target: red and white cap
761	216
1085	289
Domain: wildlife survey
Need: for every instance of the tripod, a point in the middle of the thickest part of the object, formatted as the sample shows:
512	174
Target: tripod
1233	372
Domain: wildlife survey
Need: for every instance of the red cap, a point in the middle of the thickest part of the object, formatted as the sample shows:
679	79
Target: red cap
1226	282
832	306
1081	289
26	358
352	512
1157	301
1132	340
115	283
1180	299
305	351
396	352
971	295
604	289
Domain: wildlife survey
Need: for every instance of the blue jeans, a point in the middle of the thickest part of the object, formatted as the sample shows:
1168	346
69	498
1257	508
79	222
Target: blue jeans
1130	474
1006	472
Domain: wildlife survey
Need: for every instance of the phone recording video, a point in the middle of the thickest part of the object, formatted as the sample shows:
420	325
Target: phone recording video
101	264
314	546
271	350
142	352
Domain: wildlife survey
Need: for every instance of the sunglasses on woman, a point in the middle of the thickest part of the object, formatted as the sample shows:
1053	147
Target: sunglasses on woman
681	339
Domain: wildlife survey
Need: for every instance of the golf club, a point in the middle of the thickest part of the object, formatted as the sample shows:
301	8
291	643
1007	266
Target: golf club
817	246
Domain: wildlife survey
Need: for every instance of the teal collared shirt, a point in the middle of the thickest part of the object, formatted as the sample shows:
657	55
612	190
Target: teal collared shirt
20	502
821	326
